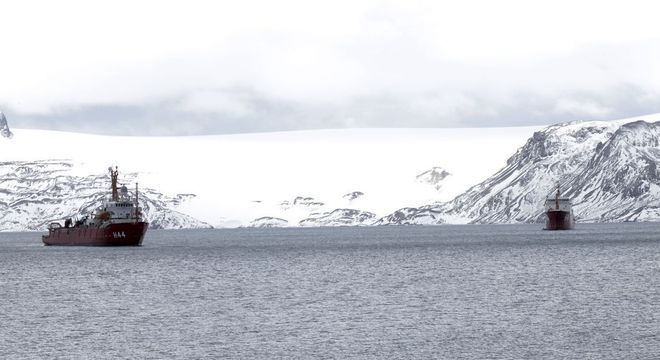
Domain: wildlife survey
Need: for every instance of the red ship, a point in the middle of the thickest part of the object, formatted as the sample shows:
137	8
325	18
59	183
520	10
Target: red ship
118	222
559	213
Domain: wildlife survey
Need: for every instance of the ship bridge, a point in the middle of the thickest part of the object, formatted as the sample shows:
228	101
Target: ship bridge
122	207
561	204
119	205
558	203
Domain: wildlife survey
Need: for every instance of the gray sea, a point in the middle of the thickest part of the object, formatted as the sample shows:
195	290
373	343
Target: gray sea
445	292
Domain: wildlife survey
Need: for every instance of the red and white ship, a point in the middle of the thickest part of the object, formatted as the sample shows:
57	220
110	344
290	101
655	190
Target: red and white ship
559	213
118	222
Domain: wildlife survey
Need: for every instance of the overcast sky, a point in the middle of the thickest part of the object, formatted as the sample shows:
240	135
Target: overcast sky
198	67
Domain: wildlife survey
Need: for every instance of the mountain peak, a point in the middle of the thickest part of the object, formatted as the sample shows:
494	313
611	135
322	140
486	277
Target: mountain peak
4	127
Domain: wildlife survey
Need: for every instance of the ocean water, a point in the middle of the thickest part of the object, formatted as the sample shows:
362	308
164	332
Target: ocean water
447	292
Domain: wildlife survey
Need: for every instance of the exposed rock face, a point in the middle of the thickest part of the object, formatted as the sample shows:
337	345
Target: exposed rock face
4	127
353	195
35	193
302	202
340	217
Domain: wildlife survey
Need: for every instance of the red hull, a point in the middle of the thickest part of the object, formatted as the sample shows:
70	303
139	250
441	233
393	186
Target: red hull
558	220
117	234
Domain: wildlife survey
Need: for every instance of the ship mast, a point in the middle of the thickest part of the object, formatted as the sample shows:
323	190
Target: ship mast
137	207
557	198
113	177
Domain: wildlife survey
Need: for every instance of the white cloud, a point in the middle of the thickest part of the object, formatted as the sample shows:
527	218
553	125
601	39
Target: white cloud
439	60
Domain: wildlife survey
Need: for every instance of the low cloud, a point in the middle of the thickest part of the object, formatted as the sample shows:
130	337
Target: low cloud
257	112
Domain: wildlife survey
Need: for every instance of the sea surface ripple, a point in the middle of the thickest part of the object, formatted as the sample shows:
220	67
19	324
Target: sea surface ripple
447	292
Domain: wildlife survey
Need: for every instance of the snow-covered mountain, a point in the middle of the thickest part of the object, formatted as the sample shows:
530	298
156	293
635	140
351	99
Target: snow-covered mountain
35	193
608	169
516	192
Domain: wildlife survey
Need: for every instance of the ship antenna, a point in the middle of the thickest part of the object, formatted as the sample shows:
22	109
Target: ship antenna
113	186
